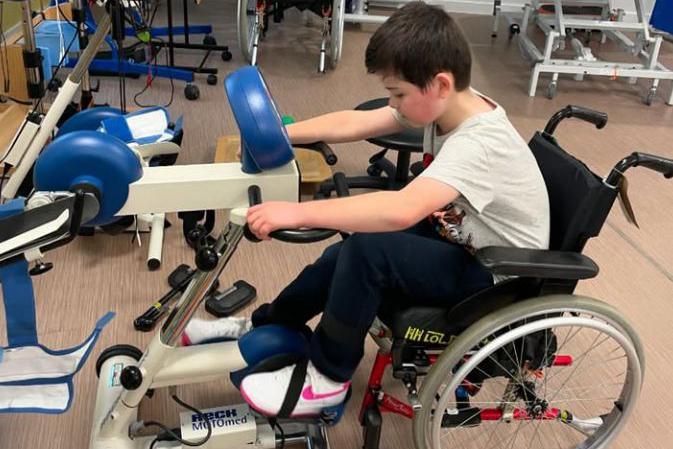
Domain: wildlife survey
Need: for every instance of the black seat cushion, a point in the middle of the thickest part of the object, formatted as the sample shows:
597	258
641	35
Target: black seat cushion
435	326
409	140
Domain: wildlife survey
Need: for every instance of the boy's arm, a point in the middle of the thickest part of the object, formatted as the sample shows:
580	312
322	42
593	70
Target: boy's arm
345	126
372	212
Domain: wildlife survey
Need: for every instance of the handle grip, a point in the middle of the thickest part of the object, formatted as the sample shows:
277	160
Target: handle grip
285	235
653	162
340	185
322	148
599	119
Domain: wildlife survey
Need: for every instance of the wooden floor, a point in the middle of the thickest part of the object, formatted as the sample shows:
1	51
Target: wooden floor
102	273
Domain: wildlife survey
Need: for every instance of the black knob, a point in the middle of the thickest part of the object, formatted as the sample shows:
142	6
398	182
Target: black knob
206	258
196	236
131	378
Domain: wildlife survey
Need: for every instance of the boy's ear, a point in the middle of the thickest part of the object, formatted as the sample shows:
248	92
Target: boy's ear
445	83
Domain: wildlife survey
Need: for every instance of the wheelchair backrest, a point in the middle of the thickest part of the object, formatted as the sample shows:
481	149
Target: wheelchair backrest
579	201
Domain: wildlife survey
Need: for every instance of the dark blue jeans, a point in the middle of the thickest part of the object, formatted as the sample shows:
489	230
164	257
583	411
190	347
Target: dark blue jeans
351	281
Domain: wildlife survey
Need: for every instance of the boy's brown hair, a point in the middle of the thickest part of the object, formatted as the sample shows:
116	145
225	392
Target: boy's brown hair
417	42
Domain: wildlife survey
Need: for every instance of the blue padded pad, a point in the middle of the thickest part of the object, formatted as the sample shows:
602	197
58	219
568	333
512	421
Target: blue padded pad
17	291
89	157
88	120
662	16
264	142
272	345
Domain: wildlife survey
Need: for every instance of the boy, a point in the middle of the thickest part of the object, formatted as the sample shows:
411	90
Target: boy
483	188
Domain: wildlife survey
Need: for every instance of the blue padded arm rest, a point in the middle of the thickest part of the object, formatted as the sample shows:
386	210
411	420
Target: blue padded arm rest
536	263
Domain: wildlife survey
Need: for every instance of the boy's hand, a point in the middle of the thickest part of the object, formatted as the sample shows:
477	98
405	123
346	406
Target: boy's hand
273	215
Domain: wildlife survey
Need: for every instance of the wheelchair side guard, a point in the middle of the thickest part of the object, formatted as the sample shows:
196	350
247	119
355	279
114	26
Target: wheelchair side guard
92	160
537	263
264	142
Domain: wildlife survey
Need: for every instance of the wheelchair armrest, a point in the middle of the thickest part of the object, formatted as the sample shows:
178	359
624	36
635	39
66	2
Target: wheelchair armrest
537	263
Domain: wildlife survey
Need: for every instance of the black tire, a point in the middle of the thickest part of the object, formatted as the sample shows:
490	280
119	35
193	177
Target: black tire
211	79
114	351
192	92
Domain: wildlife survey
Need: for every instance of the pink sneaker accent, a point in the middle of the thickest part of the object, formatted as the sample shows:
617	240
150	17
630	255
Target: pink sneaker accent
308	394
185	340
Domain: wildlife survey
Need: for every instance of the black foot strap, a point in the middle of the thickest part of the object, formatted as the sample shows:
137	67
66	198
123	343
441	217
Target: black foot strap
294	389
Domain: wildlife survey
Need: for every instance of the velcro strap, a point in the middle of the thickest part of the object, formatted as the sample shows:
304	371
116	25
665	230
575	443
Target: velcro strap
294	389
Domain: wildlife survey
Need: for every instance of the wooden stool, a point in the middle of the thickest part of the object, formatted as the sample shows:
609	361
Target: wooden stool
313	169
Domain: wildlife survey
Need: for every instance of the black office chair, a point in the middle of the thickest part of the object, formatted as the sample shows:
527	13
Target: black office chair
382	173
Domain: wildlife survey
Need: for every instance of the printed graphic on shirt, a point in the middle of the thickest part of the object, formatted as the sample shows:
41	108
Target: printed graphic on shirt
448	222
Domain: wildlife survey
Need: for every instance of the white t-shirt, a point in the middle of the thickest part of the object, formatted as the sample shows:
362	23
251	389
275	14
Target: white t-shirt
503	198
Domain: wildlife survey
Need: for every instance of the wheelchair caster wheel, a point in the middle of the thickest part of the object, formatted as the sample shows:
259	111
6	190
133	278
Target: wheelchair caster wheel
649	99
514	29
551	90
209	40
116	351
373	170
226	56
3	99
211	79
192	92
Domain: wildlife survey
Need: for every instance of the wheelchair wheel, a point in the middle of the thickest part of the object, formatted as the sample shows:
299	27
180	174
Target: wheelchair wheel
248	27
558	371
337	31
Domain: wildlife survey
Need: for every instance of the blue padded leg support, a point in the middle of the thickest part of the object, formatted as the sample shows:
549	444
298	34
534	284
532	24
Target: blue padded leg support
17	291
268	348
17	294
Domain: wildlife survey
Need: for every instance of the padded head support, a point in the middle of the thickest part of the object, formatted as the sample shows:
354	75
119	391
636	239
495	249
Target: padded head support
269	348
264	141
92	159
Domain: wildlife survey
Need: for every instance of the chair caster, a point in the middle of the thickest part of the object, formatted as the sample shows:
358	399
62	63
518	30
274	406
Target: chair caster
192	92
649	99
209	40
211	79
40	268
374	170
226	55
551	90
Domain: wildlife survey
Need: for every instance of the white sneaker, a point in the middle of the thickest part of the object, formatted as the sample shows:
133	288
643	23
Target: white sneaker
265	392
198	330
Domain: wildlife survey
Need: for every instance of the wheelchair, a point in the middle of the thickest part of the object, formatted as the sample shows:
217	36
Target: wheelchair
524	363
253	22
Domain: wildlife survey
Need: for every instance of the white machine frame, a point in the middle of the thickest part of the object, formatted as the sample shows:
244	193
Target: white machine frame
164	363
645	46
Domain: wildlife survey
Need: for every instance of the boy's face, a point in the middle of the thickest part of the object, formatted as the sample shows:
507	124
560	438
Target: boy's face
419	106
